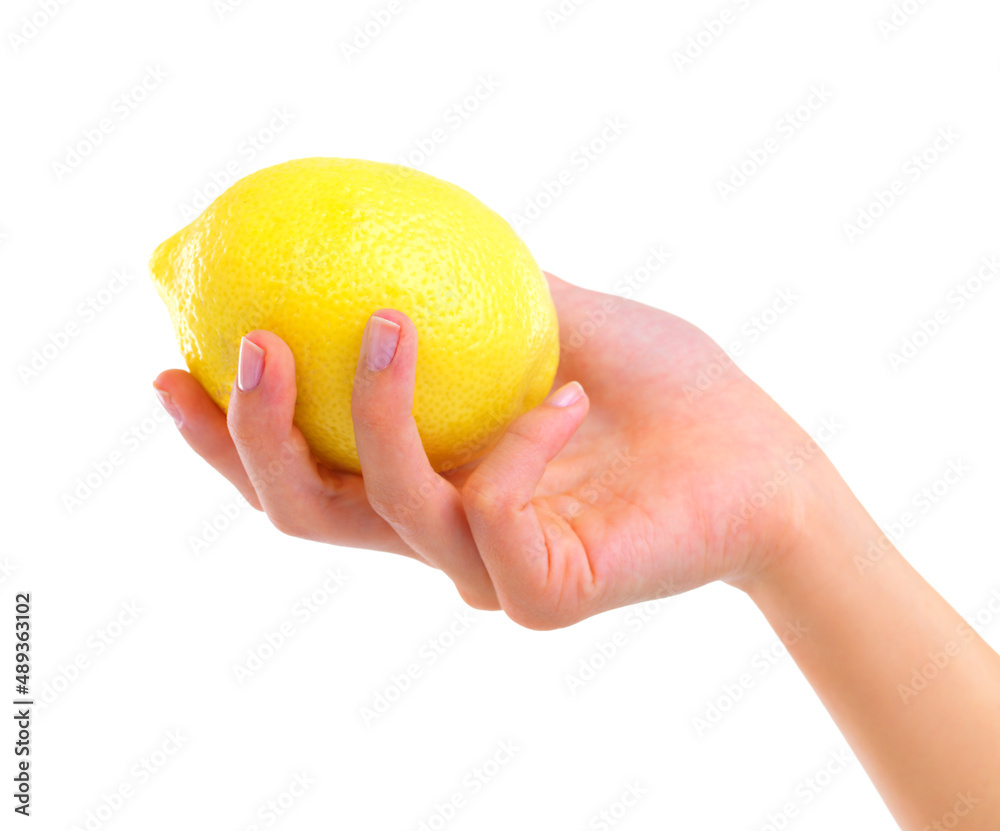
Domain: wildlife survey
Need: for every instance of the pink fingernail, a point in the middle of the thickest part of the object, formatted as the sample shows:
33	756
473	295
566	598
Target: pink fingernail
566	395
167	402
251	366
379	342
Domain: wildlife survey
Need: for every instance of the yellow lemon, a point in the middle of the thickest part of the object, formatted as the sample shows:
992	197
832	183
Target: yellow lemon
310	248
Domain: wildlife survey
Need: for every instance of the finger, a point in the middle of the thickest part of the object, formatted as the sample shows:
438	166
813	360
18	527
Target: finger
530	552
292	489
423	508
203	426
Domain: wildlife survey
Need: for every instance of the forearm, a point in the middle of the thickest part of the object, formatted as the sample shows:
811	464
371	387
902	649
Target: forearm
911	685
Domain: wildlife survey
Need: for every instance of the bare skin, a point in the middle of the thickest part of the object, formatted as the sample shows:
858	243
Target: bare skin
654	468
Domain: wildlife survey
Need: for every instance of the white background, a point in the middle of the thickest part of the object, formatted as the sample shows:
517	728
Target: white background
228	68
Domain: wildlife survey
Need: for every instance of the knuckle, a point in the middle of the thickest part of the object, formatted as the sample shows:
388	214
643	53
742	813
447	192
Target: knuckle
246	433
523	432
480	599
393	511
480	495
238	429
537	618
285	525
374	420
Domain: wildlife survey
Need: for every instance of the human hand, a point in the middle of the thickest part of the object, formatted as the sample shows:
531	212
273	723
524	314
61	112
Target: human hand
627	484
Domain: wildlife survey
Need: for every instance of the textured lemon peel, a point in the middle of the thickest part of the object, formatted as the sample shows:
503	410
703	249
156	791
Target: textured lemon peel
310	248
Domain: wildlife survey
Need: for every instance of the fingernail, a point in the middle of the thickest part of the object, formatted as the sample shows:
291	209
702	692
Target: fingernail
251	366
167	402
379	342
567	394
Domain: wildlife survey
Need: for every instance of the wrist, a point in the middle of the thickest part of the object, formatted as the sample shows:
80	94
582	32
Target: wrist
831	539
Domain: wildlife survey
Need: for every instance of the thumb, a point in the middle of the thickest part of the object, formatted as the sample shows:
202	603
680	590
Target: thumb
517	544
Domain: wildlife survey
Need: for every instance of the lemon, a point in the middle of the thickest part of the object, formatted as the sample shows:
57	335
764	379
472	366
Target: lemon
308	249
